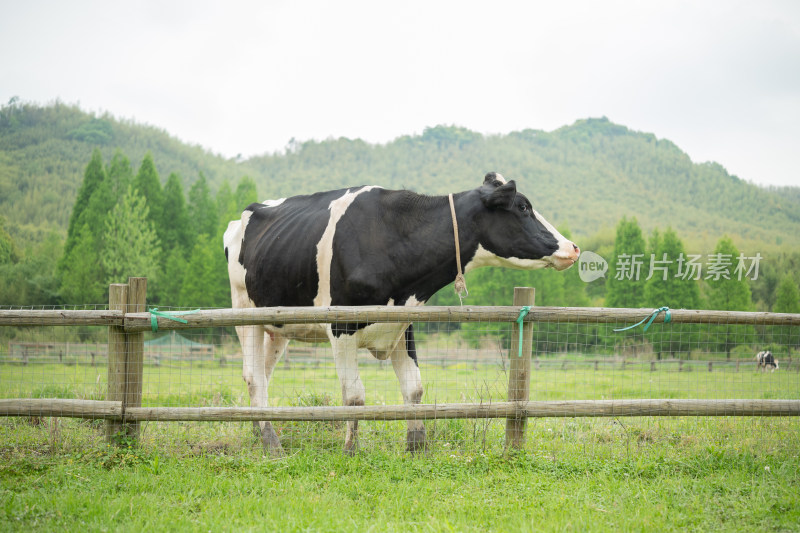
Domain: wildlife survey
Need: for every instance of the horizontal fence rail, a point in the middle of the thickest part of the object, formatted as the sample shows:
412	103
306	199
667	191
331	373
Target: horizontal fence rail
127	320
136	322
51	317
531	409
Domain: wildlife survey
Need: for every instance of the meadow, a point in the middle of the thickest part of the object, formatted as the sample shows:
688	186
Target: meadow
604	474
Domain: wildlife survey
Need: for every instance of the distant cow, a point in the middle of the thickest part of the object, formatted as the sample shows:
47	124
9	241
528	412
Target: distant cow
765	360
371	246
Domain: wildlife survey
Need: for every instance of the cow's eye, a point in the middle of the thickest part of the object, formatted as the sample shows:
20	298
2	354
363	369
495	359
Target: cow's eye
523	207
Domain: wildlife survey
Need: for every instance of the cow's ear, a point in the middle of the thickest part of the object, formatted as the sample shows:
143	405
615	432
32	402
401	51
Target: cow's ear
502	197
494	179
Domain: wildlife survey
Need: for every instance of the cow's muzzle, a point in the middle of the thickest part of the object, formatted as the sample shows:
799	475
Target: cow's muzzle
566	255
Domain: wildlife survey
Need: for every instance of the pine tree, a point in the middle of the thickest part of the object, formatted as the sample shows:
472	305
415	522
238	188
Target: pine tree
171	282
132	247
148	185
120	174
177	233
625	278
787	296
82	278
205	283
226	207
93	178
95	200
787	300
666	286
246	193
727	293
202	209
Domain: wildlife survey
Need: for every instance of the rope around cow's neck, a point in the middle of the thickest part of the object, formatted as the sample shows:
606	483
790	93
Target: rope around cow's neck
460	283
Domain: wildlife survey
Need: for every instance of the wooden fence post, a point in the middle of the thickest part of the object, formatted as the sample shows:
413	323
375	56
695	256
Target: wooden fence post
125	356
134	368
519	375
117	301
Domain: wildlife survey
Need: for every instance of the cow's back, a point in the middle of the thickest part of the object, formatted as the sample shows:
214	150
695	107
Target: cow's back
277	256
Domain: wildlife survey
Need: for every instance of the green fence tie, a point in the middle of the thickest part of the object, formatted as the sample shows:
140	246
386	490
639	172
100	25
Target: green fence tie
522	314
652	316
172	315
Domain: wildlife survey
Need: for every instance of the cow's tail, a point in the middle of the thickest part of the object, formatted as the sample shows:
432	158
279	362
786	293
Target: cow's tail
411	346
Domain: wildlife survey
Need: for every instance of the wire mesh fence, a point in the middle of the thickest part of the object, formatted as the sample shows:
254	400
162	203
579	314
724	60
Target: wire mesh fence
460	362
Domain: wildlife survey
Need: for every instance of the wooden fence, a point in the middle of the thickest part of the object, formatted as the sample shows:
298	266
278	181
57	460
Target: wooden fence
127	319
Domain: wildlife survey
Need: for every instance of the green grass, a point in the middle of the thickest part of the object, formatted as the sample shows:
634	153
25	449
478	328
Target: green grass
208	383
640	474
700	481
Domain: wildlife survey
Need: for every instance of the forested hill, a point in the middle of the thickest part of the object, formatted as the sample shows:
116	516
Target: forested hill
44	152
585	176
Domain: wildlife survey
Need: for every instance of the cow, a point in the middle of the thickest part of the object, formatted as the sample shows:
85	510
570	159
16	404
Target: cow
371	246
765	360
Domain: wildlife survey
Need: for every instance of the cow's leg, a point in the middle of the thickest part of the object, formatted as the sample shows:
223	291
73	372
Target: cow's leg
345	353
260	354
406	369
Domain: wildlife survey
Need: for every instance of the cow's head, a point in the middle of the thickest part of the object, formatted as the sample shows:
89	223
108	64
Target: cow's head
512	234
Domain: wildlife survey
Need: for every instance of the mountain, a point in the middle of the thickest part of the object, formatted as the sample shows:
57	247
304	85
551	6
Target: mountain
585	176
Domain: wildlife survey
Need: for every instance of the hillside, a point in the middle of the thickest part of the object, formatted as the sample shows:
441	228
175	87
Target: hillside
44	152
585	176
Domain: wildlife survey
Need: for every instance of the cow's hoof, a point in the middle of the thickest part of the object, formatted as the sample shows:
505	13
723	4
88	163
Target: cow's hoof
416	440
350	447
270	441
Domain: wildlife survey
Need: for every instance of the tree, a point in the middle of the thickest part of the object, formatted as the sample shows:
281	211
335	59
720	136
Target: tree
82	275
727	293
120	174
93	178
787	296
177	233
205	283
202	209
625	281
246	193
148	185
669	287
226	207
787	300
171	282
31	280
8	249
81	270
132	247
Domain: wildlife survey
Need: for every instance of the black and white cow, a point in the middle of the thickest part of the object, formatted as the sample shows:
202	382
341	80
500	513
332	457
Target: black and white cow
371	246
766	360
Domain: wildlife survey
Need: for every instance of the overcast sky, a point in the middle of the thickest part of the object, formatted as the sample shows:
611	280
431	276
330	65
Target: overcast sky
721	79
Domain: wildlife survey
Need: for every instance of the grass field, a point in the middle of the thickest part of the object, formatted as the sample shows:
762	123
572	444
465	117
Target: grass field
724	473
672	474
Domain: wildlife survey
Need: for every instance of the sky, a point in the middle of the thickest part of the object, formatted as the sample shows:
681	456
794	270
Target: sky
720	79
